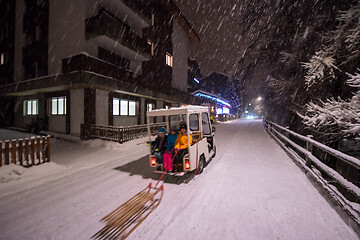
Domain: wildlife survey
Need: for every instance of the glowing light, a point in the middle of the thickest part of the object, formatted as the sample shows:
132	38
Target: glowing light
153	161
195	79
212	98
219	111
226	110
259	98
187	165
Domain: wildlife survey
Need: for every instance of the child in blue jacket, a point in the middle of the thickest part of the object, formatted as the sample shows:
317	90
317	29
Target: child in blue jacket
171	138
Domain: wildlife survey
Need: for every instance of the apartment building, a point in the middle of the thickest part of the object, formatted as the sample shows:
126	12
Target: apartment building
103	62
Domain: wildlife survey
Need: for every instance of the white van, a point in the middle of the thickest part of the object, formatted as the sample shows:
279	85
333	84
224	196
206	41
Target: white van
202	149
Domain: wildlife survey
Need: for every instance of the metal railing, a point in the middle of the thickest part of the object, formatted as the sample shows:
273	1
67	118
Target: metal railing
310	156
119	134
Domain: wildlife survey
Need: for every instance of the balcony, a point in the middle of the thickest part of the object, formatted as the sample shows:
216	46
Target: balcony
83	62
106	25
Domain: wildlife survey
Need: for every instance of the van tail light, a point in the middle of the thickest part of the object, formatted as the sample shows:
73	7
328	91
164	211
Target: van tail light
153	162
187	164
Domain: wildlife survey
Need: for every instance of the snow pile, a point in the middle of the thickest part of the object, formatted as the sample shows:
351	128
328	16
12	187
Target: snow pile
11	172
7	134
111	145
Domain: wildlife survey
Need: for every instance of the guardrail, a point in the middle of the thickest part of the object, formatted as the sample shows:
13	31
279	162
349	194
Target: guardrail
309	155
119	134
25	152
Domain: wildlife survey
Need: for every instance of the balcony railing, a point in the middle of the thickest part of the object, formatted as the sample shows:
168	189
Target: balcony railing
83	62
104	24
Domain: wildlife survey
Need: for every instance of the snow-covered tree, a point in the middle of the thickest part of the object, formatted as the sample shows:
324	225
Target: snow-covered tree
336	118
320	68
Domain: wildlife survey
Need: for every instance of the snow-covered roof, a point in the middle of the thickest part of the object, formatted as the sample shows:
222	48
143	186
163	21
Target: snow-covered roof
177	111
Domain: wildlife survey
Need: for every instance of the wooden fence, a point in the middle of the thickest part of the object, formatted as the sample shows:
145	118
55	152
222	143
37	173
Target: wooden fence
119	134
311	155
26	152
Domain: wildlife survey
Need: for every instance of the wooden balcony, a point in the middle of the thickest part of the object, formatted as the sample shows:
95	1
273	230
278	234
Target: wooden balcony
84	62
104	24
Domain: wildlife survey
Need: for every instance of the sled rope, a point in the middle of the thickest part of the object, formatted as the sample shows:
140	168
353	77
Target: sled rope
160	178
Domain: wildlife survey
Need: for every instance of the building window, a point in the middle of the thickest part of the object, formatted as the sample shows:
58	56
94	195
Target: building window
152	19
132	108
150	107
31	107
124	107
2	58
58	106
169	59
116	107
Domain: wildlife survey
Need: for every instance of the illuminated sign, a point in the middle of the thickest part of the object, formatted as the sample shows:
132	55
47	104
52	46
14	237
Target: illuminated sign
225	110
212	98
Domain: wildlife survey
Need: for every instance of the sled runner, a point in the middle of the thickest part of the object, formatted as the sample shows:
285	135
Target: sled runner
121	222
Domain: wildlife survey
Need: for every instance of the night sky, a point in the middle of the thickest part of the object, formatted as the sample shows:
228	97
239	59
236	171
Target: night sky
217	23
227	29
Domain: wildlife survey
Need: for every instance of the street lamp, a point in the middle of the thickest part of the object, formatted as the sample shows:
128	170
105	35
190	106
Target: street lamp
259	98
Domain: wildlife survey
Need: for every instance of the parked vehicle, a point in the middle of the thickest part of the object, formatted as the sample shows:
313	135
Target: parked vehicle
202	148
213	120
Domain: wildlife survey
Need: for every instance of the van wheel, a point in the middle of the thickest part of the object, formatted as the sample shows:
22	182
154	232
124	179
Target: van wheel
214	154
201	164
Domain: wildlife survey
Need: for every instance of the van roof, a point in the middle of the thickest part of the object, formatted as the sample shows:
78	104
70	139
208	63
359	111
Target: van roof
177	111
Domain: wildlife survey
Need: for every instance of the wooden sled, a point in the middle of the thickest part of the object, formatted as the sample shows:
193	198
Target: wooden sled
121	222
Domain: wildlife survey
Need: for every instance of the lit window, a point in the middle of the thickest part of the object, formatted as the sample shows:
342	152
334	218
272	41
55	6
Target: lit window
169	59
116	106
219	111
29	104
123	107
226	110
30	107
58	106
152	19
2	58
132	108
149	107
54	106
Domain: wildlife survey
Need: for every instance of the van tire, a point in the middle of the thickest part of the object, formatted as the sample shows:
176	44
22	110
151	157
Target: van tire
201	165
214	154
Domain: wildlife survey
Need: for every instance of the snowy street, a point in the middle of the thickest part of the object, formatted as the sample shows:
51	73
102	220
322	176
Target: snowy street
250	190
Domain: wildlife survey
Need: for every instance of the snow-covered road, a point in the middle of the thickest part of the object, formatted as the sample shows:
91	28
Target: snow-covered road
251	190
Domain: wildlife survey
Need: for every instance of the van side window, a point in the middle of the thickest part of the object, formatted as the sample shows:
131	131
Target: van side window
205	124
194	122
